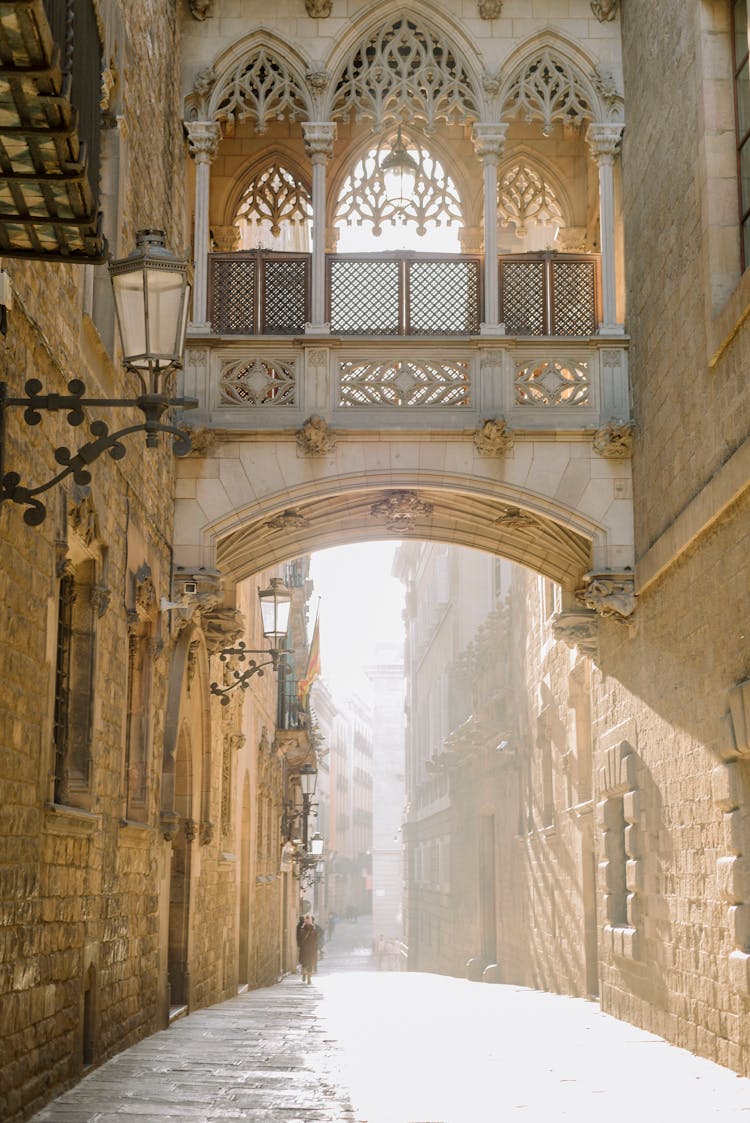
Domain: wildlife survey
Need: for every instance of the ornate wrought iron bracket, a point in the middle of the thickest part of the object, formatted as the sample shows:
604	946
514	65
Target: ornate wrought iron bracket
242	677
76	464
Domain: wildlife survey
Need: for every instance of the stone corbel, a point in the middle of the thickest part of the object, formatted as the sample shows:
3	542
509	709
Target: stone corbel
202	440
191	830
169	824
100	598
490	9
604	9
735	741
610	594
615	440
222	627
578	629
200	9
318	9
206	833
493	438
315	438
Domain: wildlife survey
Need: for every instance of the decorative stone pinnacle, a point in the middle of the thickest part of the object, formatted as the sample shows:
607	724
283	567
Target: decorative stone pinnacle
203	140
610	593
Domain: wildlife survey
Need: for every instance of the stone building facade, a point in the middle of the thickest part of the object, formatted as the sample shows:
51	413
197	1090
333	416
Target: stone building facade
500	420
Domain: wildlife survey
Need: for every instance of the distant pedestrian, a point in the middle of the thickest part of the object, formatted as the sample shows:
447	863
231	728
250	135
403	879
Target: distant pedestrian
307	941
331	924
380	951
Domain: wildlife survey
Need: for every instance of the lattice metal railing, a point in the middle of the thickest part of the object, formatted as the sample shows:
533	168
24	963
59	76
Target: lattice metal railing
259	293
401	382
549	294
265	293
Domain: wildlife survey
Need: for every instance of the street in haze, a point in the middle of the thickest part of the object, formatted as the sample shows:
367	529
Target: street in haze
366	1046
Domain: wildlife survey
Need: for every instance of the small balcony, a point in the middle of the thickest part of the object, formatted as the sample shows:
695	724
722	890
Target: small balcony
390	295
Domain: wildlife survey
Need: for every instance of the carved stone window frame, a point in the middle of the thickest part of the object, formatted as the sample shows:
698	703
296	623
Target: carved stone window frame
618	816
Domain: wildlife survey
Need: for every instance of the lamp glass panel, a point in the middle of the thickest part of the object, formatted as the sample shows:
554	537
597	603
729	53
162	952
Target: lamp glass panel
308	778
274	608
166	292
128	290
316	845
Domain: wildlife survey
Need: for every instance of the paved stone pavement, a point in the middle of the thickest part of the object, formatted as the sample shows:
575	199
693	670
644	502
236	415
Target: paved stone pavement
367	1046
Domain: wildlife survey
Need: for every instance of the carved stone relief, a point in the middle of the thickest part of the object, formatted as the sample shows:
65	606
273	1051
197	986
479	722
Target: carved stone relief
291	519
83	521
578	629
493	438
615	440
221	628
604	9
610	594
200	9
202	440
318	9
513	518
490	9
315	438
401	509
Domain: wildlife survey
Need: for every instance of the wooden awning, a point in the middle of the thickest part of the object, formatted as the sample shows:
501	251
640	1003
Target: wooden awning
48	180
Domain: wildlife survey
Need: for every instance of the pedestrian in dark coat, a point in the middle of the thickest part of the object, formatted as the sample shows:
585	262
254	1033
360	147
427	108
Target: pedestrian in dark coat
307	941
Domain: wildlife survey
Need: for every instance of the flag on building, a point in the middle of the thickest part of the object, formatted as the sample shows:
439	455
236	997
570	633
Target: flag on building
304	686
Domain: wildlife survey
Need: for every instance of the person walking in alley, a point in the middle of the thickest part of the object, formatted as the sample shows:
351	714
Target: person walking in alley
307	941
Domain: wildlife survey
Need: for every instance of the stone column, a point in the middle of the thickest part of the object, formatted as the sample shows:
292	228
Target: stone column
489	141
604	142
203	142
319	138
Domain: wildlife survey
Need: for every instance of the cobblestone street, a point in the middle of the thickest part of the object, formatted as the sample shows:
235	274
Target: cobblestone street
389	1047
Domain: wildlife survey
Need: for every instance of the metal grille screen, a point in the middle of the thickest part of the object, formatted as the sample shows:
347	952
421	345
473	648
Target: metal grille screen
522	297
365	297
285	289
233	289
574	297
443	297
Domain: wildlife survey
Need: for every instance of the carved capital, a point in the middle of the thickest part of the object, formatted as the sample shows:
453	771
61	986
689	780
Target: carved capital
401	509
315	438
615	440
604	141
578	629
226	238
493	438
203	140
319	137
610	593
191	829
604	9
489	140
318	9
490	9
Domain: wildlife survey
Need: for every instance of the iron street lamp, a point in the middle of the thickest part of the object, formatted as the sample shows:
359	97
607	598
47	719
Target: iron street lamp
152	295
308	779
316	845
275	603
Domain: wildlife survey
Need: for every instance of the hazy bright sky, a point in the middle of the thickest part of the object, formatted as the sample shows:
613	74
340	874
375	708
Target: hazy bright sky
360	606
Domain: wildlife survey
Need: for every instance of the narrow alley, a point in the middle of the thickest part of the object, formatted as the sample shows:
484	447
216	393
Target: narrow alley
366	1046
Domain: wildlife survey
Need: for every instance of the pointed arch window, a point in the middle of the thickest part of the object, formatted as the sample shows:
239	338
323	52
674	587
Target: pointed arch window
74	684
399	206
275	211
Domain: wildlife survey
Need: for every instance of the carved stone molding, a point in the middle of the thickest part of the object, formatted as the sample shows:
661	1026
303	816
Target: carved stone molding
315	438
513	518
610	593
291	519
318	9
615	440
490	9
401	509
604	9
222	627
578	629
493	438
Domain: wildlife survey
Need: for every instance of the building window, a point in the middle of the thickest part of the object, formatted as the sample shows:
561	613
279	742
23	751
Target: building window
137	727
74	678
741	64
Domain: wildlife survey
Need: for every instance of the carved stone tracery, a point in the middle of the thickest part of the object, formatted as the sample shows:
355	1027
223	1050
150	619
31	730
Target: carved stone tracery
275	196
259	382
524	197
261	87
548	89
